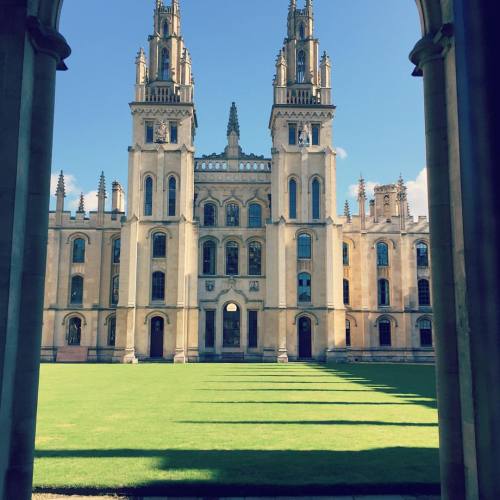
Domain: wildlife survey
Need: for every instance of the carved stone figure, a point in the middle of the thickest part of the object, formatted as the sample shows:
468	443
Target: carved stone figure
305	135
162	133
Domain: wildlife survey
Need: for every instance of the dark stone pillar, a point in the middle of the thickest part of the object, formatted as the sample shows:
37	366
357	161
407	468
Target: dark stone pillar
478	84
29	55
428	55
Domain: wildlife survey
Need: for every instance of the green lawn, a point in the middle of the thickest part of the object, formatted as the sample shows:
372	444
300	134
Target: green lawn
123	426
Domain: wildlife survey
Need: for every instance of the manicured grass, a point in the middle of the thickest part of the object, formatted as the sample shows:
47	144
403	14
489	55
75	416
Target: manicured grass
115	427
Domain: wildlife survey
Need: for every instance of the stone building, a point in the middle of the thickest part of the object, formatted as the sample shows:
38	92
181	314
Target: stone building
236	256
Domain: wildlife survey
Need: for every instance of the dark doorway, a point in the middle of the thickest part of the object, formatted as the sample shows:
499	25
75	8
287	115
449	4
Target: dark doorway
157	337
231	326
305	338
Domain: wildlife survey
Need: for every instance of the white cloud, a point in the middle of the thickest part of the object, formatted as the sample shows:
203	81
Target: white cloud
417	194
341	153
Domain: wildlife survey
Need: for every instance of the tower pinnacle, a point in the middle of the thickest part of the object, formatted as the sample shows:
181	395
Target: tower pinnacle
81	204
61	190
233	124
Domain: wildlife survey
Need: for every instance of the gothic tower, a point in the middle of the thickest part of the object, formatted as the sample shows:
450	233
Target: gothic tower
304	295
158	308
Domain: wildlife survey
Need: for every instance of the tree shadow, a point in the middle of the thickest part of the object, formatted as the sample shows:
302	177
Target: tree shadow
272	472
308	422
327	403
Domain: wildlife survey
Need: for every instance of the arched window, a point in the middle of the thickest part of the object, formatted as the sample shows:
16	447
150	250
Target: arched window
159	246
231	326
425	329
384	332
165	64
304	246
148	196
422	255
424	293
116	250
347	333
209	258
345	254
172	196
382	254
232	258
292	200
302	31
112	331
79	251
254	215
158	287
346	292
76	297
74	331
115	290
383	293
209	215
255	259
232	215
316	197
304	287
166	30
301	66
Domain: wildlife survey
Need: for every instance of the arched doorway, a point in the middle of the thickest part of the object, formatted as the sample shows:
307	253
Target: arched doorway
156	346
304	334
231	325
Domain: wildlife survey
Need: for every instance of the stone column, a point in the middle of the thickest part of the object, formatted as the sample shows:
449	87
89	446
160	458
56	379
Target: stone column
29	55
428	55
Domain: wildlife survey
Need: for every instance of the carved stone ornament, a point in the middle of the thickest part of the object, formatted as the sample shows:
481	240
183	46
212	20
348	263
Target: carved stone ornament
254	286
209	285
304	135
161	133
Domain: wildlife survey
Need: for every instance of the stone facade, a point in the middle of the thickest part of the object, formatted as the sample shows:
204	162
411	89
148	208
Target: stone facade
236	256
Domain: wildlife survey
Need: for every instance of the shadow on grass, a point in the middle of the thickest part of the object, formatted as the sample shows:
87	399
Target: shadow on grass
308	422
331	403
272	473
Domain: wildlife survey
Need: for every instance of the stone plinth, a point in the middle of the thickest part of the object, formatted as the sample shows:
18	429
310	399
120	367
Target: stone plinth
72	354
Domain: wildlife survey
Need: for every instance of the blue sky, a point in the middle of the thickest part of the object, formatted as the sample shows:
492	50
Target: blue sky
379	119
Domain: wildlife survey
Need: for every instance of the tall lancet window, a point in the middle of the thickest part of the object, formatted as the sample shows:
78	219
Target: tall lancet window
302	31
166	31
292	209
165	64
148	197
316	196
301	66
172	196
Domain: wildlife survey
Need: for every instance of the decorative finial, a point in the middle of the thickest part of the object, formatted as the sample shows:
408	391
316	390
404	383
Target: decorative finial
81	205
233	125
101	192
362	188
293	5
402	195
159	4
61	189
347	212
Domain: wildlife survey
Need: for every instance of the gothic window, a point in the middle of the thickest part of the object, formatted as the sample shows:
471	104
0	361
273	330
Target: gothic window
384	333
383	293
292	200
304	246
425	329
253	329
209	258
148	196
315	132
422	255
76	297
345	254
232	258
255	215
166	31
304	287
382	254
209	215
424	293
112	331
158	287
165	64
254	259
210	329
347	333
173	133
302	31
231	326
172	196
346	292
116	250
150	132
115	290
74	331
301	66
159	246
292	134
78	251
232	215
316	195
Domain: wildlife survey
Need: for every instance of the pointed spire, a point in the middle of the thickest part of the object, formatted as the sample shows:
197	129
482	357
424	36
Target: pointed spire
61	188
402	190
81	205
233	125
362	188
347	212
102	186
159	4
293	5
